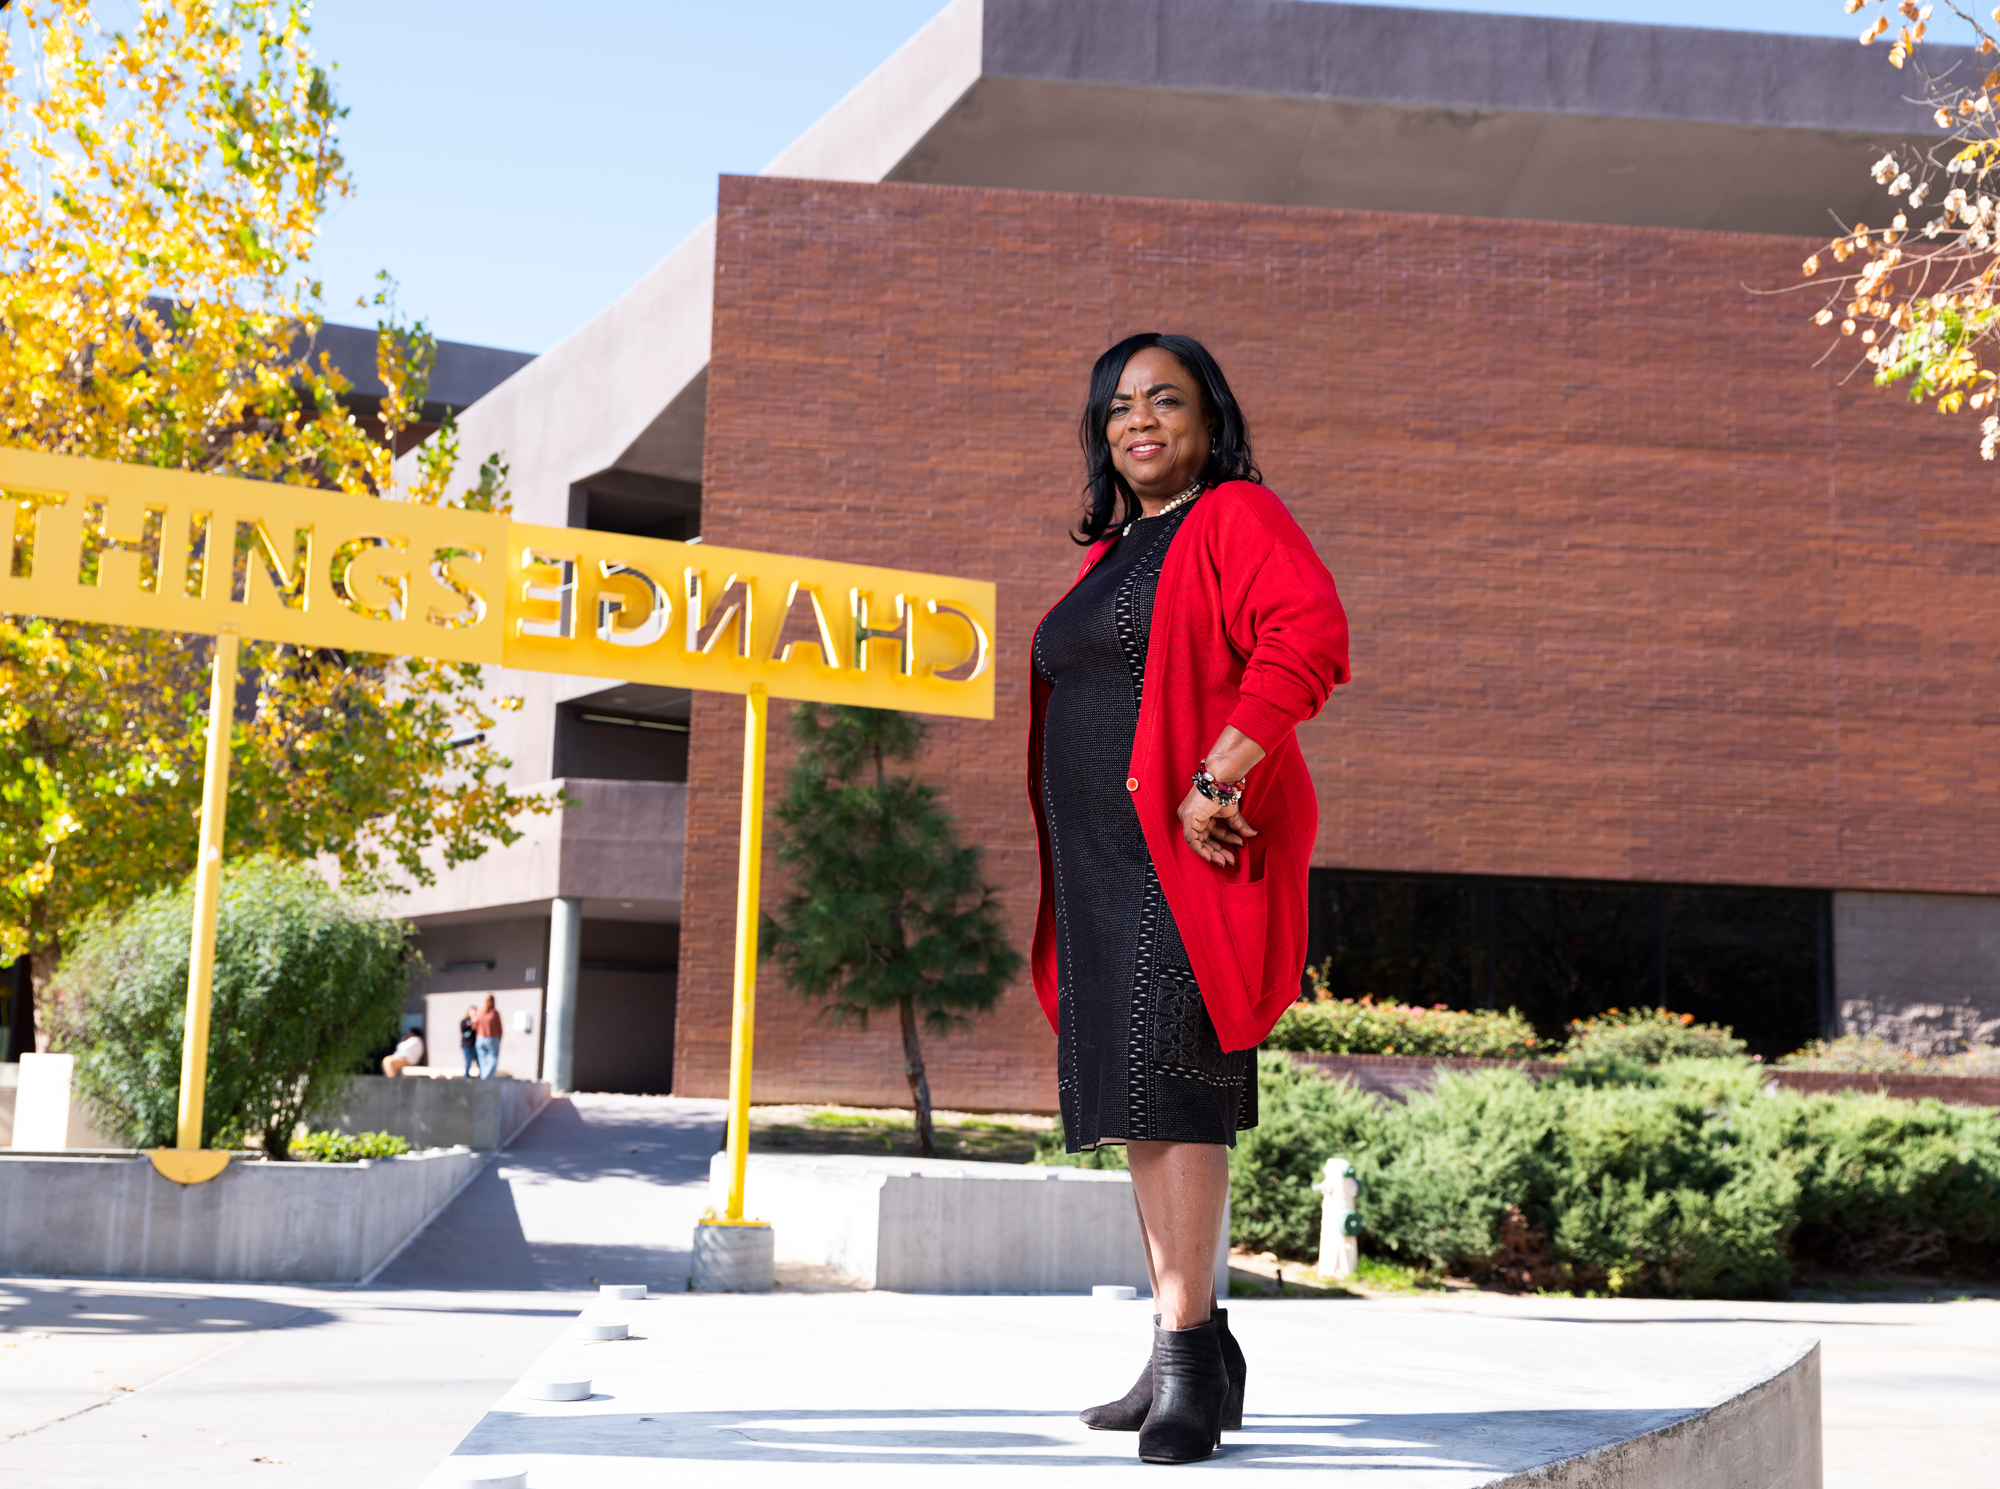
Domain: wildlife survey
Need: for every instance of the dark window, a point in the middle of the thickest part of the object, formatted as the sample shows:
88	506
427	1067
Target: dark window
16	997
1756	959
622	501
596	746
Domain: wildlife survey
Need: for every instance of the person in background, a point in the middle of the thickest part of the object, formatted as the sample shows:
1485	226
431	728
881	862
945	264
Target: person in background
409	1052
486	1035
466	1037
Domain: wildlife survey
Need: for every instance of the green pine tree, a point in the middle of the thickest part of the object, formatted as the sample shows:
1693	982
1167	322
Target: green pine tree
888	910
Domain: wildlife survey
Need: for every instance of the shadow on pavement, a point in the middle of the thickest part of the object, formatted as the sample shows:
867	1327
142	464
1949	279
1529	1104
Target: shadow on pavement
1503	1441
103	1308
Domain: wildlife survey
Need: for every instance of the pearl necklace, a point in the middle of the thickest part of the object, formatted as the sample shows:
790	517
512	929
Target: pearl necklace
1180	501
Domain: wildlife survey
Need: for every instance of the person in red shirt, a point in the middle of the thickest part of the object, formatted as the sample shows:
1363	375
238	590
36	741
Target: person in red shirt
1201	630
486	1030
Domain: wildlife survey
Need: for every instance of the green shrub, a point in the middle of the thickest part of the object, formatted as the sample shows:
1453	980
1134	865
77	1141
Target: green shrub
341	1147
1885	1182
307	980
1649	1035
1869	1052
1679	1187
1303	1120
1638	1187
1453	1162
1691	1179
1361	1026
1049	1152
1607	1070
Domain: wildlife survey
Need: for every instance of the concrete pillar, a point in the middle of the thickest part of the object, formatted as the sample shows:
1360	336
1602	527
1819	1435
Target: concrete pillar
559	1016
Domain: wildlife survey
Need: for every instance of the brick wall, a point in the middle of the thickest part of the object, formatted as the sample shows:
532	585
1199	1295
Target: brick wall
1637	592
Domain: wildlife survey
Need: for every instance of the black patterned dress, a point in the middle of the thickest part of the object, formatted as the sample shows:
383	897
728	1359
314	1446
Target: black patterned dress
1136	1054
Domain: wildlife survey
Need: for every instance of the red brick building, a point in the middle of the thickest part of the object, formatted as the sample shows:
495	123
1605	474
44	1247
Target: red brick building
1672	648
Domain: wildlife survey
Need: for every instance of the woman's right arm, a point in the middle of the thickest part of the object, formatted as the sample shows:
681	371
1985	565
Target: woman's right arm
1284	617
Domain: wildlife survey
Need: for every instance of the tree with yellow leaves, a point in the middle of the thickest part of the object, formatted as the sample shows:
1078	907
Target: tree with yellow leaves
1919	296
161	187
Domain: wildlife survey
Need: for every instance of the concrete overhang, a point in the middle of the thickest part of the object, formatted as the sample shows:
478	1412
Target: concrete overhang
618	845
461	375
1285	102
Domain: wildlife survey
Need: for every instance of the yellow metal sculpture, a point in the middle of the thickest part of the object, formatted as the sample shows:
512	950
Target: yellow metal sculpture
136	546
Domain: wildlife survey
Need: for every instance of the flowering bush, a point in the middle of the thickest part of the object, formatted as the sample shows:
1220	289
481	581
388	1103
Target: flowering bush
1648	1035
1361	1026
1870	1052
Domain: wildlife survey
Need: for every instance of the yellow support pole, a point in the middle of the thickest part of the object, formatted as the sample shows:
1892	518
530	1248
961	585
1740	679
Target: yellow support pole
207	893
749	868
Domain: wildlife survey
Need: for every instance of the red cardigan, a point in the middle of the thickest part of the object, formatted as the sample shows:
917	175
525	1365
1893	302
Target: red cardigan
1247	630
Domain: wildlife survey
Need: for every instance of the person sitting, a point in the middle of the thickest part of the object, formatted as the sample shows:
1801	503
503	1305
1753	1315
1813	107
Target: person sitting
409	1052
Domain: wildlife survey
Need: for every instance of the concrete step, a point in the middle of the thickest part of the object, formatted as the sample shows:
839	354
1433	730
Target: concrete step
880	1389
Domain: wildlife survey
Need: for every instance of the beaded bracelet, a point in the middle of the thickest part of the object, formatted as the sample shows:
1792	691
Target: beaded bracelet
1225	793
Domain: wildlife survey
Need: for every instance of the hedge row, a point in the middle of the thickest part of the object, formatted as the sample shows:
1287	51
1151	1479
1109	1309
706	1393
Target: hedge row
1690	1180
1362	1026
1872	1053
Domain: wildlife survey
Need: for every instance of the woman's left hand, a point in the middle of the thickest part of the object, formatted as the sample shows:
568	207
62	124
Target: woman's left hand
1209	827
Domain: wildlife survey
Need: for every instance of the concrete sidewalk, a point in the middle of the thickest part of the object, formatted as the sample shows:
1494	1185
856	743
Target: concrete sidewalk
887	1390
1910	1391
1402	1390
112	1384
596	1188
215	1386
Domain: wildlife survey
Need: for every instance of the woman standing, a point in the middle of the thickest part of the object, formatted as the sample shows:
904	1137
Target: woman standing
1201	630
486	1031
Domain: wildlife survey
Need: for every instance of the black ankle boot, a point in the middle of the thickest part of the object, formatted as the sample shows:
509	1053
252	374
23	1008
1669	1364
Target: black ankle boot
1128	1412
1239	1373
1189	1386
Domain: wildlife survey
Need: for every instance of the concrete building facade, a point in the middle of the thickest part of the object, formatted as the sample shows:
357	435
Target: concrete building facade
1642	597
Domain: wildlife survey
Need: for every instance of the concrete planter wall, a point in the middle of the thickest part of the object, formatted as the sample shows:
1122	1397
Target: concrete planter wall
935	1225
1399	1075
82	1128
1959	1090
255	1222
440	1112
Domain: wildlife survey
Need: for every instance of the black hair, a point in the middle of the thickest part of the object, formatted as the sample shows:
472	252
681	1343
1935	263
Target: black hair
1107	501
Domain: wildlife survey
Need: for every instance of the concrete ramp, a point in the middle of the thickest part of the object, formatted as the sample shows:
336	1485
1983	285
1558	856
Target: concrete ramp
877	1390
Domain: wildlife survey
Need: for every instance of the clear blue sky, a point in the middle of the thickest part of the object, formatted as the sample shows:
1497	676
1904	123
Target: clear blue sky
519	166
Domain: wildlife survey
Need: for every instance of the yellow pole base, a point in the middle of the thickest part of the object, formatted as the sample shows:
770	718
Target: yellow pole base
709	1217
188	1165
